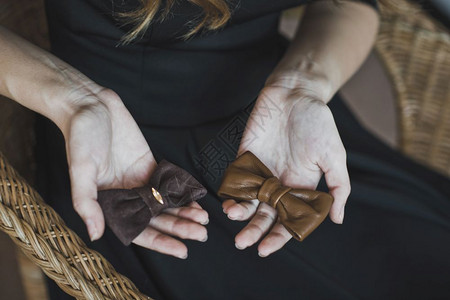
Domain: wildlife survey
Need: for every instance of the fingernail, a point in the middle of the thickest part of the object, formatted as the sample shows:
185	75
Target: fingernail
262	255
234	216
206	222
92	230
183	257
239	247
205	239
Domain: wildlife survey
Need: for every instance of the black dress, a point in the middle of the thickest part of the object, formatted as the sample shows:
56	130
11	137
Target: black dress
191	100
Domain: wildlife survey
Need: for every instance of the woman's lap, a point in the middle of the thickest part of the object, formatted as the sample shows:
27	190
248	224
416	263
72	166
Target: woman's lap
394	242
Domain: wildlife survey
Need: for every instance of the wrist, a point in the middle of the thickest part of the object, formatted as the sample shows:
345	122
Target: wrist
47	85
306	76
67	93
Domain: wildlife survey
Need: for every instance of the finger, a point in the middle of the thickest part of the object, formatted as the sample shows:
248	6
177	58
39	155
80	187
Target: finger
182	228
195	214
338	182
84	198
194	204
228	203
152	239
240	211
259	225
274	240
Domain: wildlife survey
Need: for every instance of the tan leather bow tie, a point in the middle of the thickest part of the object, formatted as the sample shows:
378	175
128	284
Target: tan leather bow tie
300	210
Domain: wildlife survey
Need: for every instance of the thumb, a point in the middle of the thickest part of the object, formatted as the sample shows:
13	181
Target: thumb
84	197
338	182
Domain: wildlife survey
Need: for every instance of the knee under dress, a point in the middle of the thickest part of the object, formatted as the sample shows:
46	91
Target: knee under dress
191	100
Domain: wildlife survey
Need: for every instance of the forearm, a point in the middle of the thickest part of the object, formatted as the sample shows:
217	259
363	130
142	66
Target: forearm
40	81
330	45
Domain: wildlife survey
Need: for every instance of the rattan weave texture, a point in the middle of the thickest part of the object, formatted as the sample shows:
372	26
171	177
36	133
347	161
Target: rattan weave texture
43	236
416	52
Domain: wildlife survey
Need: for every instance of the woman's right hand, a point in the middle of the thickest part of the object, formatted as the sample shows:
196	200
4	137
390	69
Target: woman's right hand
106	149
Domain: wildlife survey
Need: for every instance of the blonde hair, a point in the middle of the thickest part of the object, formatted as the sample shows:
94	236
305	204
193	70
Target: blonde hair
216	14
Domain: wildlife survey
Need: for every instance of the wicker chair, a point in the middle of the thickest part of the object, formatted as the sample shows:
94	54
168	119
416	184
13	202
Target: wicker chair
416	53
415	50
34	226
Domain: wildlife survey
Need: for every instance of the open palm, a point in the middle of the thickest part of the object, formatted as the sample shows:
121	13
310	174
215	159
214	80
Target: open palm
106	149
294	134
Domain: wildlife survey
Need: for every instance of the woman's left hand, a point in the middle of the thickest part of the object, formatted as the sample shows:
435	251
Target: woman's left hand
292	131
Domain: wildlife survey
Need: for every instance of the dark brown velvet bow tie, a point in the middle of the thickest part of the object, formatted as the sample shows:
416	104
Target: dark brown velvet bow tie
300	210
128	211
